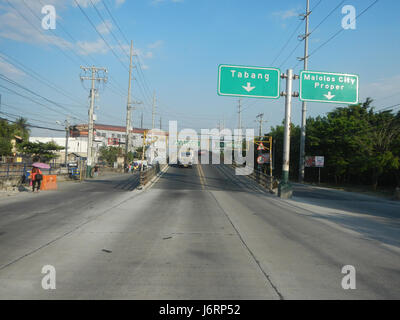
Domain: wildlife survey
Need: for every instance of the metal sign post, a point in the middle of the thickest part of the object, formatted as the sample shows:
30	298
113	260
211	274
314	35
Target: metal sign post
284	188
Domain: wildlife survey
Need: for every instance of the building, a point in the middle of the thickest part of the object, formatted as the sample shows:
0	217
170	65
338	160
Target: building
104	135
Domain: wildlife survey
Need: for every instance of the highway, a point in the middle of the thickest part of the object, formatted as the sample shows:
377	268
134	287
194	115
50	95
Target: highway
197	233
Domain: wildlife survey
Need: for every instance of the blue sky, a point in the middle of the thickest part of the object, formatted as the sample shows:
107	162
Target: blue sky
180	44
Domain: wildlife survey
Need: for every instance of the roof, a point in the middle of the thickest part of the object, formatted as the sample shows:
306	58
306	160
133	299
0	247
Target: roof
83	128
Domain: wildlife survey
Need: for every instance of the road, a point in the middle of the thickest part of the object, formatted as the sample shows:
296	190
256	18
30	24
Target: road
199	233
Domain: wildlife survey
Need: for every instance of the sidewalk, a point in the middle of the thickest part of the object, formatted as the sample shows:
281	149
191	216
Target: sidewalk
64	185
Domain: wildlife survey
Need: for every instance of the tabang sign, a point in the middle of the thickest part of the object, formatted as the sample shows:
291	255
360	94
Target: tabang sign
315	161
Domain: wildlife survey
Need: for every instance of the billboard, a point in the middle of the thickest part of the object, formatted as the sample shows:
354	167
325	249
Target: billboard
314	161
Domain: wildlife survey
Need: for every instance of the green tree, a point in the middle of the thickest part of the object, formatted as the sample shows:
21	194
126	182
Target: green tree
6	133
21	128
110	154
40	151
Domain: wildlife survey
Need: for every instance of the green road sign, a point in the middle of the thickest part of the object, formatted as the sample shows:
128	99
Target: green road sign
255	82
328	87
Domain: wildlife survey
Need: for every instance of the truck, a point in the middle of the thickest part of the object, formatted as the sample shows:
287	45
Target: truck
186	158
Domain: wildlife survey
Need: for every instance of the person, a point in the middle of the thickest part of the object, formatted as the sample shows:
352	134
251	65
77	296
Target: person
36	177
96	171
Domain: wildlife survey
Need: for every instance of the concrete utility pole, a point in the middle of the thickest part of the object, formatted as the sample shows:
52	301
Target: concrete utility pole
160	124
304	104
285	190
153	113
141	121
260	116
128	110
94	75
66	140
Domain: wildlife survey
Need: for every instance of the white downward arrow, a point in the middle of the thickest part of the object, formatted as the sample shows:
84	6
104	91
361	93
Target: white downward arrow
329	96
248	88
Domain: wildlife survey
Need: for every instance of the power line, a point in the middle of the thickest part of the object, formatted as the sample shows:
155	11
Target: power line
340	30
101	36
34	93
34	126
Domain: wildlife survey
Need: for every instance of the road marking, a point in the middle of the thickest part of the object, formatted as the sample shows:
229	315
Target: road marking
201	176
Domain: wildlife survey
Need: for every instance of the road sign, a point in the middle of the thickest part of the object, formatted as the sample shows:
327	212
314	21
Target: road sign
314	161
261	159
319	161
255	82
328	87
261	147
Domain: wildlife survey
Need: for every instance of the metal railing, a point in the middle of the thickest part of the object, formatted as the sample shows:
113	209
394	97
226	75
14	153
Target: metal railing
261	178
12	170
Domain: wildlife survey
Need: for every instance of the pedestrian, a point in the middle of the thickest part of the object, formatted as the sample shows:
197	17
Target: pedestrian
36	178
96	171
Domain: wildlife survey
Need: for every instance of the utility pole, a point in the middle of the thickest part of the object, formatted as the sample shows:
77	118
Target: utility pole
154	110
128	110
160	124
260	116
66	140
141	121
284	189
304	104
94	75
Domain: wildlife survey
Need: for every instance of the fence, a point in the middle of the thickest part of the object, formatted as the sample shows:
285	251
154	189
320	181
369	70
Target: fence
13	170
148	174
261	178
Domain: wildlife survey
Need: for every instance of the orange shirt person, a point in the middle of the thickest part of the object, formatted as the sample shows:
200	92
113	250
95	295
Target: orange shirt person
36	177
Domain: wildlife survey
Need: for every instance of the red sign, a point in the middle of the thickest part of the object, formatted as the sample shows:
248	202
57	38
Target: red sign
113	141
261	146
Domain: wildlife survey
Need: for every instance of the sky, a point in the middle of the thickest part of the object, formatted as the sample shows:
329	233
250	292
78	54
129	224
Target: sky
178	45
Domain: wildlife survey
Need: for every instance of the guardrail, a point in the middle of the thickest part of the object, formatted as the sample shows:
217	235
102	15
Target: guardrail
148	174
261	178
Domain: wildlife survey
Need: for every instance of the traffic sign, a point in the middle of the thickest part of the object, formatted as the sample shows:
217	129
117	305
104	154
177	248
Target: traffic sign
255	82
261	159
328	87
261	147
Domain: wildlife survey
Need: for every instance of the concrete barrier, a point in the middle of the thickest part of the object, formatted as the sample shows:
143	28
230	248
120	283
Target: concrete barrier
147	175
49	182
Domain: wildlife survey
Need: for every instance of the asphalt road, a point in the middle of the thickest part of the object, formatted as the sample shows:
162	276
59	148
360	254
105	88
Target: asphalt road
197	233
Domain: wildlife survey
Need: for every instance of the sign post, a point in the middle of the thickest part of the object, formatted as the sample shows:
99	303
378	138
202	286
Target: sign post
253	82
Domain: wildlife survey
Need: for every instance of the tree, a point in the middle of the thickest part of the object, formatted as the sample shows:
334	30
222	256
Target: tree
376	142
6	132
21	128
40	151
110	154
277	134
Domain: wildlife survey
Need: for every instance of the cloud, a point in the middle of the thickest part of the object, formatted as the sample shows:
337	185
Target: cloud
104	27
381	88
87	47
286	14
156	2
9	70
155	44
119	2
85	3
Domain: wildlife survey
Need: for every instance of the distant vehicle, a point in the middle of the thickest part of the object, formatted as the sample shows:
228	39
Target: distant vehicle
185	158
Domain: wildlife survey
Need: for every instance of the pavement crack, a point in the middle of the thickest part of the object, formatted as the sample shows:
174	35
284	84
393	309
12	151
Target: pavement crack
248	249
